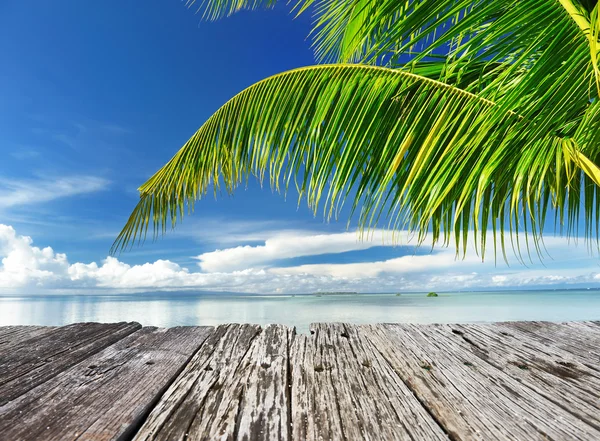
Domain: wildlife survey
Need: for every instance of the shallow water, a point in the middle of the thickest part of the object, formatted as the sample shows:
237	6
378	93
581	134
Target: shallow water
176	309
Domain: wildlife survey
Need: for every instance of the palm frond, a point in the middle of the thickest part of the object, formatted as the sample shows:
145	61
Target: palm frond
420	152
545	55
544	69
216	9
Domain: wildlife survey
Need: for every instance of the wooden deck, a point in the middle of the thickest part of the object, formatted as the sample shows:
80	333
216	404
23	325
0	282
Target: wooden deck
503	381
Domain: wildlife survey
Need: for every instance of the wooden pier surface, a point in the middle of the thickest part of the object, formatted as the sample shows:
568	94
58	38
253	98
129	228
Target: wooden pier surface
122	381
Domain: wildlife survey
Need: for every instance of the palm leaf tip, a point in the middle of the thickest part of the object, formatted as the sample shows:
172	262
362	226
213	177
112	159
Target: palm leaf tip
216	9
418	152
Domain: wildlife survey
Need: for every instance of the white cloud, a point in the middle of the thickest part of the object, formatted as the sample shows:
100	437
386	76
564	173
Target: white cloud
499	280
28	268
401	265
26	265
284	245
25	192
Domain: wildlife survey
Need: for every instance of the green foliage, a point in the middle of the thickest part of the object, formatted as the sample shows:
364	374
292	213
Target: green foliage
216	9
432	294
460	116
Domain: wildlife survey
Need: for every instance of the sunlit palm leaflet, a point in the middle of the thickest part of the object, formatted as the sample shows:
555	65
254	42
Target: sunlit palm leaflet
446	118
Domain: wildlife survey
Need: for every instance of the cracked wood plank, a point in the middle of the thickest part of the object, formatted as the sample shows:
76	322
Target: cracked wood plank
348	382
265	405
314	412
13	335
44	356
343	389
587	326
468	396
107	396
550	372
234	388
571	337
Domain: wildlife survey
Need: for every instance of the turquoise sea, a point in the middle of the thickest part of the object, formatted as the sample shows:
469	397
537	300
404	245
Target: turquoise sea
176	309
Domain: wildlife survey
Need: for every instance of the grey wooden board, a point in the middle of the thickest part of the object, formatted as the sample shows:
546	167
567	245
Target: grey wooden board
13	335
592	327
107	395
314	411
343	389
234	388
568	337
549	356
449	381
342	382
42	357
264	407
550	372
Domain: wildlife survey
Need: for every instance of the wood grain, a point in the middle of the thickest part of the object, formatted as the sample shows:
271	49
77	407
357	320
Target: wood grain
470	397
13	335
570	337
504	381
234	388
551	372
351	392
107	396
37	359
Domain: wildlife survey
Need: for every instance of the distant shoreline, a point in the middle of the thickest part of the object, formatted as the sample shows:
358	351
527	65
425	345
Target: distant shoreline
335	293
191	293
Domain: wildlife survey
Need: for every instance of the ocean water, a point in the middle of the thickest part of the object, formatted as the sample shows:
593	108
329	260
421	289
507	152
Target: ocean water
177	309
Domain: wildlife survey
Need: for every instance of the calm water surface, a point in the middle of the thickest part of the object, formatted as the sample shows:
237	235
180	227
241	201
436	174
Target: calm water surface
175	309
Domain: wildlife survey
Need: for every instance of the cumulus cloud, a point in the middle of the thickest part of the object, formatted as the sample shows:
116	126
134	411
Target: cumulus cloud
24	264
16	192
28	268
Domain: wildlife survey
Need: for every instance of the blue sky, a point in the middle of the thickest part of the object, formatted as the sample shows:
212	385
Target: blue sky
96	97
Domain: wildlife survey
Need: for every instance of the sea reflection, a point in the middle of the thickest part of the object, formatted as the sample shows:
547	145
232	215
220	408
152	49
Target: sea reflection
178	309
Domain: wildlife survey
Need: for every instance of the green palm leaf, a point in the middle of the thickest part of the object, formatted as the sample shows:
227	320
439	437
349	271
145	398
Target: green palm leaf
544	42
420	152
545	51
215	9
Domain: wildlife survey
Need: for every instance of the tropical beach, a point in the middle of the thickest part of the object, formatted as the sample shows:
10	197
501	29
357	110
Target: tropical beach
300	220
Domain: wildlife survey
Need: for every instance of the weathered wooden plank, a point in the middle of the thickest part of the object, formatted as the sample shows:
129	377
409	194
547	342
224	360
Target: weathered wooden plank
202	379
351	392
468	396
541	381
550	372
549	355
584	344
314	410
586	326
107	395
234	388
14	335
265	400
42	357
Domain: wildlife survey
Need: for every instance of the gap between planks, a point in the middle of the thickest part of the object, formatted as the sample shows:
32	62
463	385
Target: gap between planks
341	382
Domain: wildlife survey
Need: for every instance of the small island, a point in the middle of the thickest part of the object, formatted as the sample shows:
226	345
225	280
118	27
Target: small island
432	294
